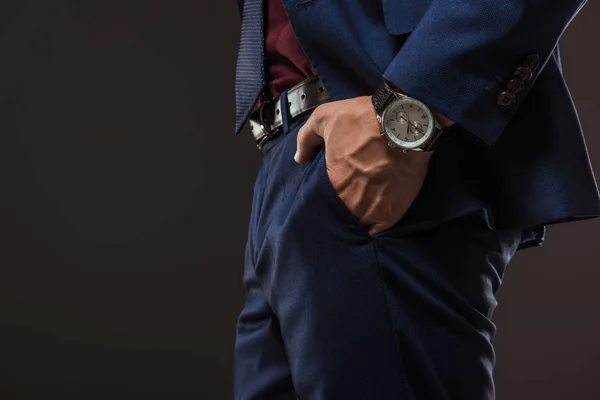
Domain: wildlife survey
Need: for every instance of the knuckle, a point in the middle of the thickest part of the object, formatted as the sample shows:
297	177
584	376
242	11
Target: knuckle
318	113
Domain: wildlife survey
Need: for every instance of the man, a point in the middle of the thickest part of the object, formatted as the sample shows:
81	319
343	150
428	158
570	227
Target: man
410	149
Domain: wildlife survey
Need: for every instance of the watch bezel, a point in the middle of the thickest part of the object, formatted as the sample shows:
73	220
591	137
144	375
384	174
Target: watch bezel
394	139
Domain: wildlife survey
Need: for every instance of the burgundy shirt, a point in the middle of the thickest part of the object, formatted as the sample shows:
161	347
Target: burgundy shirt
285	61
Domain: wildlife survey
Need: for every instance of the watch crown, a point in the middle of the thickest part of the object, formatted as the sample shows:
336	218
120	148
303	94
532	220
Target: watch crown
392	145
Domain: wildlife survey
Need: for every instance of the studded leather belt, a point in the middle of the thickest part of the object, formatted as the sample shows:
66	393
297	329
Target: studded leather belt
266	120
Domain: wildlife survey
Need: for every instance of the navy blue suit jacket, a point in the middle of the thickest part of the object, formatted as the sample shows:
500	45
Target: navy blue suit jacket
522	166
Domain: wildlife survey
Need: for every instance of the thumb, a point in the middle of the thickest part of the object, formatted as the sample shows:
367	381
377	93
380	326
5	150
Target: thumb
308	140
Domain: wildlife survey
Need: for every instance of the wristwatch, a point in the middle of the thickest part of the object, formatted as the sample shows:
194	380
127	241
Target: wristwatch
406	122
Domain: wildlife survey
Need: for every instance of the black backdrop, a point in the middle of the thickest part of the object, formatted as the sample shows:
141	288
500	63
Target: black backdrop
124	206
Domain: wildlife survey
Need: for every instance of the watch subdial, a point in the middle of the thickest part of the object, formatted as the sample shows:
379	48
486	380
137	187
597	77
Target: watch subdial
417	130
399	126
402	117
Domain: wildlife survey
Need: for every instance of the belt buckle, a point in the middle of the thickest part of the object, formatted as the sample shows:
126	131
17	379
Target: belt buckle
268	133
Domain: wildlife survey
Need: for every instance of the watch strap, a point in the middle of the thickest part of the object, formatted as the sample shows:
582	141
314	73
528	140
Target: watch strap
433	141
383	95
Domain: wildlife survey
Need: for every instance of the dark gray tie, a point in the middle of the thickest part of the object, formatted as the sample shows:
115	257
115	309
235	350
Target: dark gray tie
250	76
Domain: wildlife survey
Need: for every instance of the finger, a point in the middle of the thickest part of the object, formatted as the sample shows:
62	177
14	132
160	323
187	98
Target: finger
310	137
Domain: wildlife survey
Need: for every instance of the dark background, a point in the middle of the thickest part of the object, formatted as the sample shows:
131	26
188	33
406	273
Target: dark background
125	199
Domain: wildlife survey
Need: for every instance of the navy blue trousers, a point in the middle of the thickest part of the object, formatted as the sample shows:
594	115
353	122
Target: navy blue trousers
333	312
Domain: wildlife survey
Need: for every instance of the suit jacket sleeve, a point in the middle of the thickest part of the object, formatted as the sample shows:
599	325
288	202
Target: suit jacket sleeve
462	54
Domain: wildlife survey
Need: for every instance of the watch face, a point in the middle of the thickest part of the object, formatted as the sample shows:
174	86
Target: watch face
407	122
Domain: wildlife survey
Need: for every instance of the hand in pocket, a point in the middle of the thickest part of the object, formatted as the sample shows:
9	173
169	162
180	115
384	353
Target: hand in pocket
377	183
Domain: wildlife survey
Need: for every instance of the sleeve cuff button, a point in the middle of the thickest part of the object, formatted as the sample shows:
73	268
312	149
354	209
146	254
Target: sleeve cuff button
506	99
532	61
523	73
515	85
